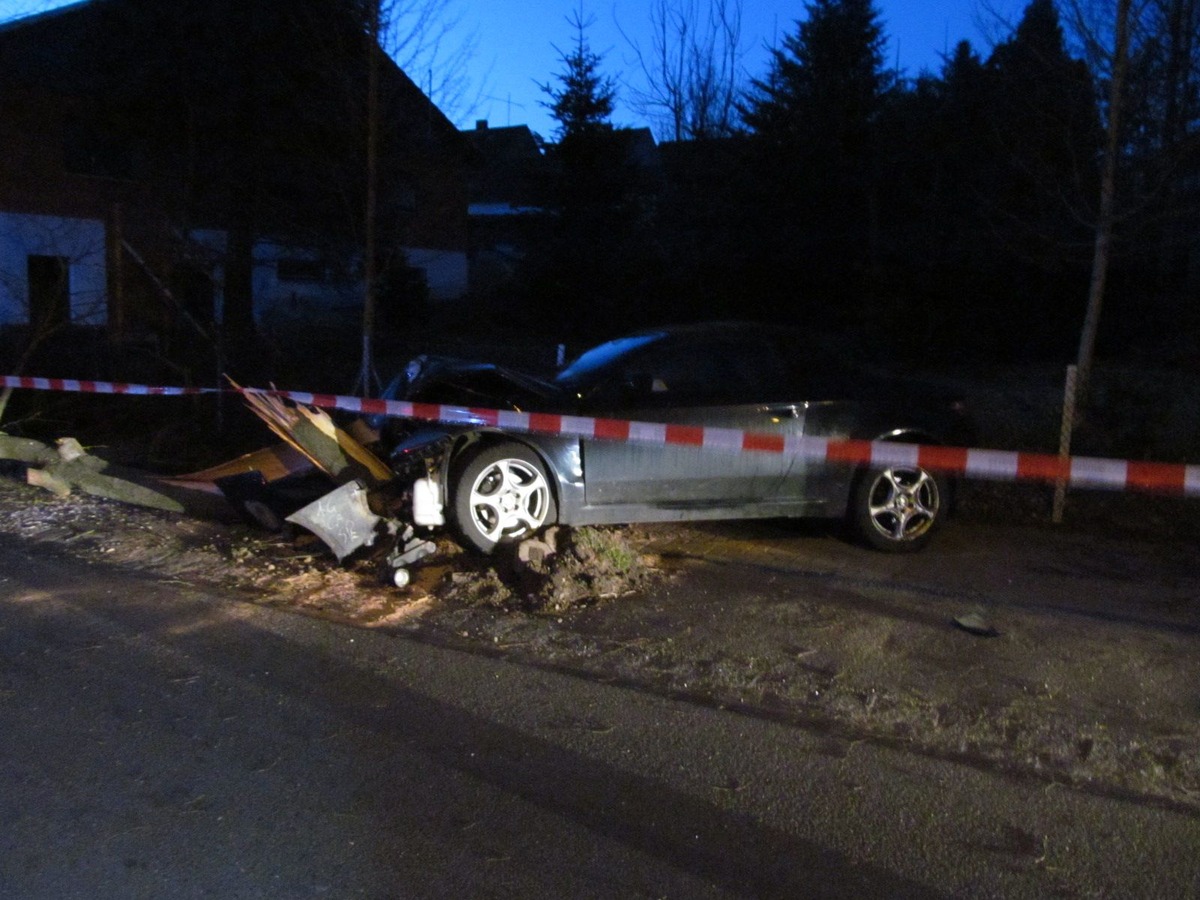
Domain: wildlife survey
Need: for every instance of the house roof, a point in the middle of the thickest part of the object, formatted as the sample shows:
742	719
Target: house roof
233	104
509	143
43	48
509	170
640	147
26	20
71	48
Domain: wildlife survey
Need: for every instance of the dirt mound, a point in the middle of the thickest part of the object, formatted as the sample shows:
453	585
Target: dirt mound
563	569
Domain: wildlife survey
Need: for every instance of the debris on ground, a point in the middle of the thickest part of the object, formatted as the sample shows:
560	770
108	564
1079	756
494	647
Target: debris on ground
362	505
273	463
313	433
977	622
558	570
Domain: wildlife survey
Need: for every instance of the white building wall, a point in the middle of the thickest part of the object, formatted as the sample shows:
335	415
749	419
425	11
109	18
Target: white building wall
282	302
279	301
80	241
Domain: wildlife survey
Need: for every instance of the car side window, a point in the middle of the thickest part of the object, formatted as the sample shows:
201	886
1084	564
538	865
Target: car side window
710	374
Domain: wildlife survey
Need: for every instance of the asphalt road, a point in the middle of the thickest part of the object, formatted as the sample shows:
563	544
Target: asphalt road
156	741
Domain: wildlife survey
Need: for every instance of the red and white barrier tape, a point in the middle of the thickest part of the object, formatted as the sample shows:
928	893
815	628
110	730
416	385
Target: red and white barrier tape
98	387
993	465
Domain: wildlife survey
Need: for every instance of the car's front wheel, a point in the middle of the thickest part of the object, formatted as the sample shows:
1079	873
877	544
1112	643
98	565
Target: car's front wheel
502	495
897	508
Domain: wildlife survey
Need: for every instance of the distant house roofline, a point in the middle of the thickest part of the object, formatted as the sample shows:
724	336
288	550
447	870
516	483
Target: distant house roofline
20	21
48	18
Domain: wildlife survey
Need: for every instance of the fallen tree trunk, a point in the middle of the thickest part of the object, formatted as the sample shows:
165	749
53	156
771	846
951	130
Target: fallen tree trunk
70	467
25	450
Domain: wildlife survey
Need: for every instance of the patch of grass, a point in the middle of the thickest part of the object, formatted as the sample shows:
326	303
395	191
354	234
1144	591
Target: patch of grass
610	548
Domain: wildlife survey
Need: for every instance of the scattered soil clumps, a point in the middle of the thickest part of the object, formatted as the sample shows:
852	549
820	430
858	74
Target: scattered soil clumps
560	570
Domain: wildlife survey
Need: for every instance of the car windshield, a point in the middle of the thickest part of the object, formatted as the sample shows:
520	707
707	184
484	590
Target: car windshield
593	363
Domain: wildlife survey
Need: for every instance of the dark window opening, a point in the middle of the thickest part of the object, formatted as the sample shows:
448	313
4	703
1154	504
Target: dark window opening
49	291
193	288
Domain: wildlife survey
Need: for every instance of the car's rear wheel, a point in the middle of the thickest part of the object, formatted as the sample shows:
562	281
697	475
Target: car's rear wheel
897	508
502	495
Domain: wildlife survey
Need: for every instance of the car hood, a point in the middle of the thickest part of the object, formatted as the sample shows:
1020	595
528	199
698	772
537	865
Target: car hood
448	380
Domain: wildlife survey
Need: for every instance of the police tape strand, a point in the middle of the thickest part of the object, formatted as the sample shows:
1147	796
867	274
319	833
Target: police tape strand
992	465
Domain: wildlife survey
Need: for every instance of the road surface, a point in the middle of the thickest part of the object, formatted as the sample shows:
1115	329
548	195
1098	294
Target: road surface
159	741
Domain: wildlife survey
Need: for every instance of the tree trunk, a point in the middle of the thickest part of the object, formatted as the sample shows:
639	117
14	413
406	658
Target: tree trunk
1108	191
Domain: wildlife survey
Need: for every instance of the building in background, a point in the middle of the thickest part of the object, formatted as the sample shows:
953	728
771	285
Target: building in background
172	167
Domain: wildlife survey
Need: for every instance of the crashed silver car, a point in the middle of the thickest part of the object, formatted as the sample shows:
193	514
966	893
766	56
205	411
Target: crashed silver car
498	487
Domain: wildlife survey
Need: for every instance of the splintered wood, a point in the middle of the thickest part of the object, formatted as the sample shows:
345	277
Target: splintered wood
313	433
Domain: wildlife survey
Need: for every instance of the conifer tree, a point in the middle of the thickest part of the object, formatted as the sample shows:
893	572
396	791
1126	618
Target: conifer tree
827	81
1045	103
583	101
815	123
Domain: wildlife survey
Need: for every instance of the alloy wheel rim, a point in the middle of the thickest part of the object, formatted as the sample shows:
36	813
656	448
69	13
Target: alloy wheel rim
903	503
509	498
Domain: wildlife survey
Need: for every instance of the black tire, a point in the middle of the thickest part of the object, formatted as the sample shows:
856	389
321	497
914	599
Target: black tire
897	509
501	494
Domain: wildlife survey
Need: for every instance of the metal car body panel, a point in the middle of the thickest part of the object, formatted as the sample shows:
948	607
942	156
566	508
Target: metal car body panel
565	461
644	378
685	476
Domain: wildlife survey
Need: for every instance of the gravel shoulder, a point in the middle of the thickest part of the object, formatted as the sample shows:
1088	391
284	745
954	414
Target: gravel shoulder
1091	678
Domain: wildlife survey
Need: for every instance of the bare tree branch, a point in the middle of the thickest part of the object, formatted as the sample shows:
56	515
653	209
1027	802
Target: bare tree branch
692	68
426	39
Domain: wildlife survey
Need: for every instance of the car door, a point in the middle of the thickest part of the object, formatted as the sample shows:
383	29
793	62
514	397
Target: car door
722	384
